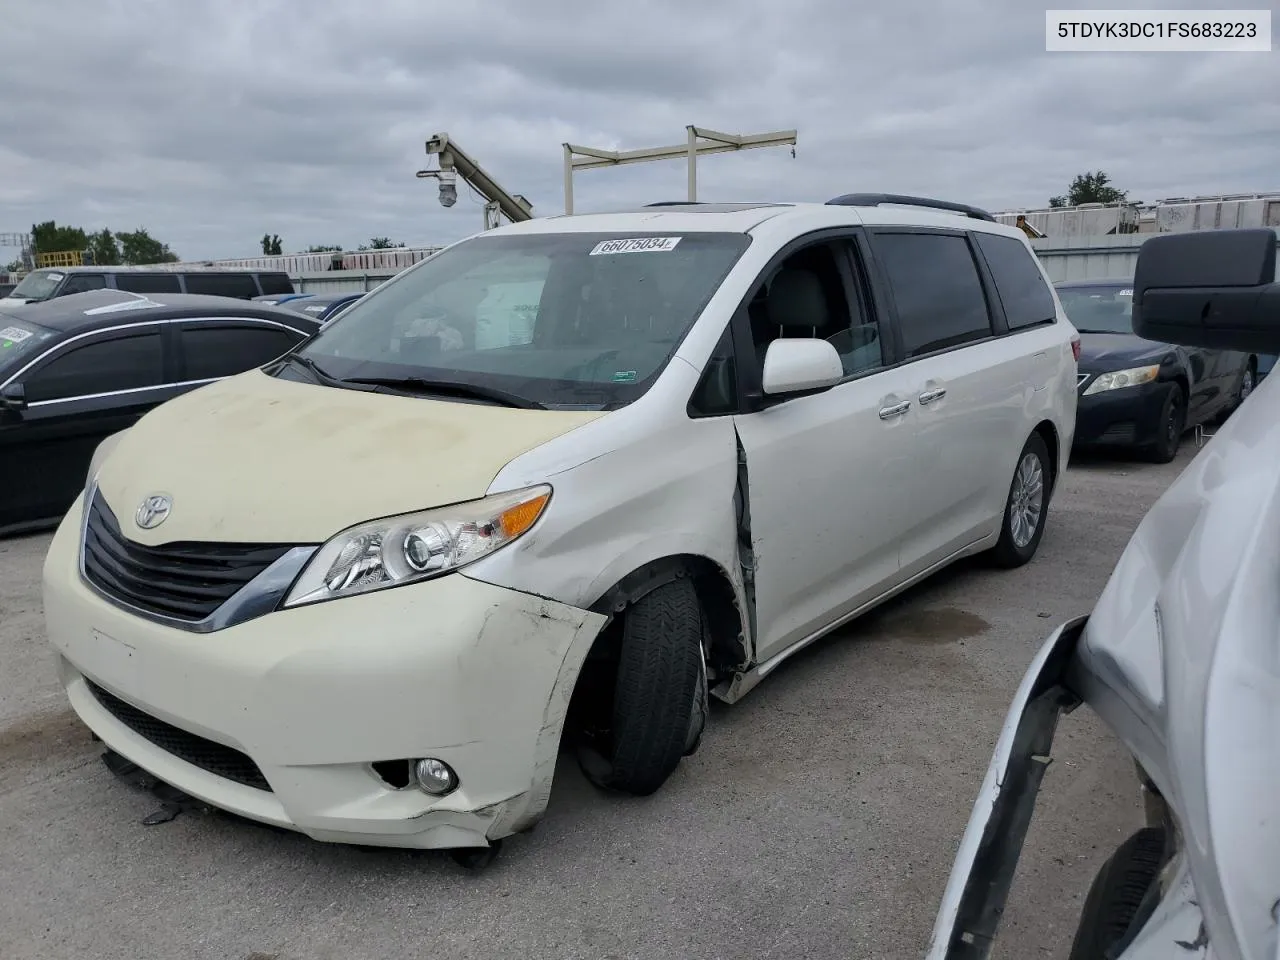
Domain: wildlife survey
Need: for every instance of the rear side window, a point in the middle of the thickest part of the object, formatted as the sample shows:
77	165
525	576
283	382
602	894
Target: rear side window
936	288
1020	285
222	284
126	362
82	283
223	350
275	283
148	282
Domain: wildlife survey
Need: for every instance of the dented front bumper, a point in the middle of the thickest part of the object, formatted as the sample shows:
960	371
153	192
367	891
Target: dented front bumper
305	701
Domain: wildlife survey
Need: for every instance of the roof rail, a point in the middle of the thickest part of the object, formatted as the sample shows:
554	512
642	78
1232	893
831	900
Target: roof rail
675	203
877	199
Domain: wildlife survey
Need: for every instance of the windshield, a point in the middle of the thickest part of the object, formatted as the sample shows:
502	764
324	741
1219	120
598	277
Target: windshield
562	320
39	284
19	341
1101	309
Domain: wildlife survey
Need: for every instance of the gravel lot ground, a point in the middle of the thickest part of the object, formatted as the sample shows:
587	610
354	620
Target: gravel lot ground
819	819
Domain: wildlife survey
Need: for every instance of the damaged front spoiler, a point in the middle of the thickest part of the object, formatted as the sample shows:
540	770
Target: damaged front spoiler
983	871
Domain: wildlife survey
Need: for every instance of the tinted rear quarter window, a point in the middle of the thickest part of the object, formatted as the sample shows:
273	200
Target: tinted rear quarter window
1019	283
936	289
124	362
275	283
222	284
148	282
223	350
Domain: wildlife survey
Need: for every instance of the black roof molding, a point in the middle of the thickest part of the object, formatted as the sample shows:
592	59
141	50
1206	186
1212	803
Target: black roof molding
878	199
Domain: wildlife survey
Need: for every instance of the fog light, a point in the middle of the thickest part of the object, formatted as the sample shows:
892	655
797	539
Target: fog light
435	776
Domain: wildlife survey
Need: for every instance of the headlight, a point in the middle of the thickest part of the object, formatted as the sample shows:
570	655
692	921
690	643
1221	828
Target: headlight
1123	378
416	546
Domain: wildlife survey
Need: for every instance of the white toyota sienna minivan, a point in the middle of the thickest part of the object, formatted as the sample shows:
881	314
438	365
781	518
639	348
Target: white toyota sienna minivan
572	474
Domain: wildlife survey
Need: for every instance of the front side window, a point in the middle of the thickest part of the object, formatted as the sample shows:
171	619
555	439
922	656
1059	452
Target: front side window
39	284
83	283
127	361
936	288
564	319
813	274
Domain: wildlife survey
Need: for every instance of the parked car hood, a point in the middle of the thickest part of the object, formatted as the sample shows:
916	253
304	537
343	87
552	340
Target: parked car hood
259	459
1181	662
1100	352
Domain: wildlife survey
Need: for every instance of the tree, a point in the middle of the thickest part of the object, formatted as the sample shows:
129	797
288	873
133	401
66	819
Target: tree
48	237
139	247
15	266
271	246
1090	188
104	248
322	248
380	243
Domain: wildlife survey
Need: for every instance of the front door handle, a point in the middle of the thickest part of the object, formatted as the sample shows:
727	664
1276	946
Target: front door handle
895	410
929	396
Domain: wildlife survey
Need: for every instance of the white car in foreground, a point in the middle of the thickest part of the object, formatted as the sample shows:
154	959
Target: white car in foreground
589	468
1180	658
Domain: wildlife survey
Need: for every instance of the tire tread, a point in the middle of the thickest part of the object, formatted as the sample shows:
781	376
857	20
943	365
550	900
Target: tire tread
660	664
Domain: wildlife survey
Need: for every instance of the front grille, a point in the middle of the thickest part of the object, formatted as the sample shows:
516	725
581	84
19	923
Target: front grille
186	581
214	757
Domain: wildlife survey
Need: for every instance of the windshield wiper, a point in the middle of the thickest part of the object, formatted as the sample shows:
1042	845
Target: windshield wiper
1090	330
313	368
455	387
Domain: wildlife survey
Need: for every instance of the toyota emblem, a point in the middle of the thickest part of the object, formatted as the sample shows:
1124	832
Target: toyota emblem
153	511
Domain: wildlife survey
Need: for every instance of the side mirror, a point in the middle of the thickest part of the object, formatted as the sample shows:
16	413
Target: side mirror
796	366
13	397
1215	289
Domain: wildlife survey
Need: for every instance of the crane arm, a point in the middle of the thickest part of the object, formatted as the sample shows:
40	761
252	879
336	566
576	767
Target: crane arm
454	160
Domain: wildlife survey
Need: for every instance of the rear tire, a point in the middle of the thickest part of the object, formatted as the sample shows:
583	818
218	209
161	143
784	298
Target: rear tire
1116	895
1173	424
1026	508
1248	381
659	702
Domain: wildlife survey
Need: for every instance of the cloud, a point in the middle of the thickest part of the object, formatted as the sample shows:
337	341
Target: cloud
213	122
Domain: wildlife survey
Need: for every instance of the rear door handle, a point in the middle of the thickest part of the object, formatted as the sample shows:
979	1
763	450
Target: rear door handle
929	396
895	410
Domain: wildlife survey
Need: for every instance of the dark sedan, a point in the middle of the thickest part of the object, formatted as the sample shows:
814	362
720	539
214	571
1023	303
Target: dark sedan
78	368
1138	393
323	306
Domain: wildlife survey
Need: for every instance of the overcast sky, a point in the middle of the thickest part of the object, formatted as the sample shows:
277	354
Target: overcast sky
211	123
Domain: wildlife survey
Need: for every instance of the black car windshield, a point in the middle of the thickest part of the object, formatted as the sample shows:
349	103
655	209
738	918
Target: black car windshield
1105	308
20	340
39	284
558	319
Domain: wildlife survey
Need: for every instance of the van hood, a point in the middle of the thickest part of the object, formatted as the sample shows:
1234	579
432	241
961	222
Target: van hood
255	459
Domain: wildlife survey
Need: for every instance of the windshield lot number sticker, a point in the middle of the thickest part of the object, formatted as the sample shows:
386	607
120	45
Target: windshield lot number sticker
635	245
14	334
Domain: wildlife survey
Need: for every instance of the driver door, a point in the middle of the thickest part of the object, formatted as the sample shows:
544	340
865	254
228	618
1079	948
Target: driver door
76	397
827	474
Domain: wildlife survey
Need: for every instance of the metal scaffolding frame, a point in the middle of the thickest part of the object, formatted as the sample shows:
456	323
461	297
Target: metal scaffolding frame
700	142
